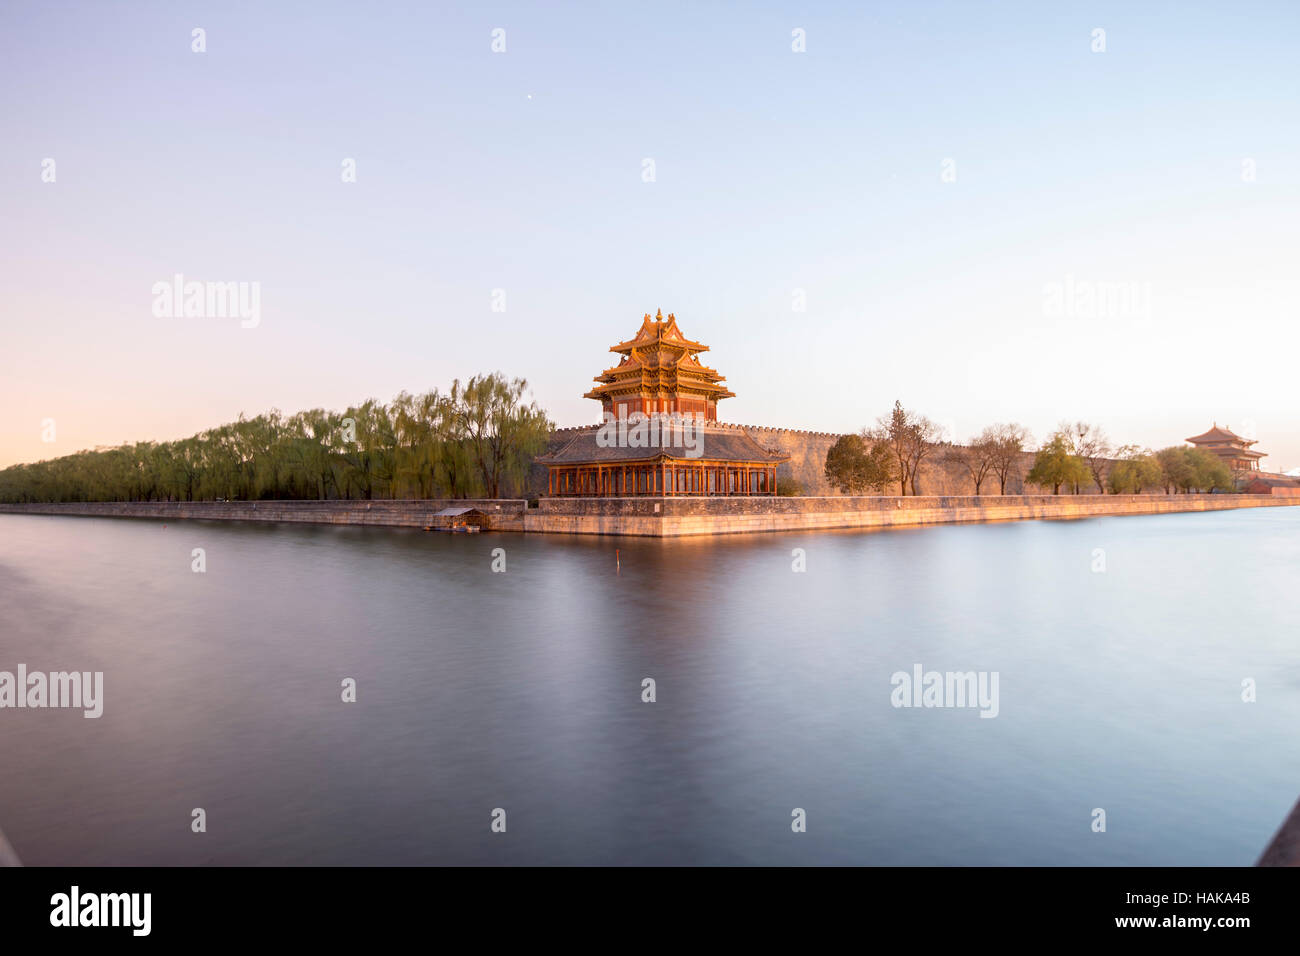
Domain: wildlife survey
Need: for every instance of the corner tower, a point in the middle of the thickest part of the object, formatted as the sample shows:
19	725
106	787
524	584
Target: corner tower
659	372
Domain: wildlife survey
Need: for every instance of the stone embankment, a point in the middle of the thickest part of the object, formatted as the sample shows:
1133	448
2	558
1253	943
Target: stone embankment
674	517
503	514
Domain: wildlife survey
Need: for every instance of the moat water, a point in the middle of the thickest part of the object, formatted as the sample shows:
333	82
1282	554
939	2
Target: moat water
1118	689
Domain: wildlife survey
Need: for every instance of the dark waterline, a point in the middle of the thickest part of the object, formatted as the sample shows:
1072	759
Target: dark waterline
522	690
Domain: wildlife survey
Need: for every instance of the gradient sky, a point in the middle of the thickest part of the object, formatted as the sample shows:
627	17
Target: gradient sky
775	171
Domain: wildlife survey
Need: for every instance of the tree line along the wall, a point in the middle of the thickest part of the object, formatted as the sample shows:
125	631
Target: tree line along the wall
890	454
475	440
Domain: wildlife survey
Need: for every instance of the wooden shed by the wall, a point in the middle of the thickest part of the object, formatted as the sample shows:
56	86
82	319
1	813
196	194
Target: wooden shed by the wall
459	519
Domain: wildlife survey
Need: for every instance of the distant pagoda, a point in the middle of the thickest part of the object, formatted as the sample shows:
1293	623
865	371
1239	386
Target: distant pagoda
660	373
1231	448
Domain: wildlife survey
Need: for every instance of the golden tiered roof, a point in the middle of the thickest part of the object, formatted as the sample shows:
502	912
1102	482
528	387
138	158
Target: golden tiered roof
659	360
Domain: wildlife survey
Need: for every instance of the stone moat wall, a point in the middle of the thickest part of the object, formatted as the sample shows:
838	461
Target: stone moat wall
503	514
674	517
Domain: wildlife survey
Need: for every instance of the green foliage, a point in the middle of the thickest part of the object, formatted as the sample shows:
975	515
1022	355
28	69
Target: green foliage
1193	469
788	488
478	439
1056	464
856	467
1137	470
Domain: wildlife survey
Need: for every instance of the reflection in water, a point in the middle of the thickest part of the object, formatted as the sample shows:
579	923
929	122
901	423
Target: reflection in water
522	690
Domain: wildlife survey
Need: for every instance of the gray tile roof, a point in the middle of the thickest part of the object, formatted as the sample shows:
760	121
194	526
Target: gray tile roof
712	446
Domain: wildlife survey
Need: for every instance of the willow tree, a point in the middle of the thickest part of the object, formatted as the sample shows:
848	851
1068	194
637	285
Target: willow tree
500	430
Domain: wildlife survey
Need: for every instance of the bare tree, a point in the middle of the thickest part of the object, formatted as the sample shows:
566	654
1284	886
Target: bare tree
1008	447
909	437
1092	445
977	458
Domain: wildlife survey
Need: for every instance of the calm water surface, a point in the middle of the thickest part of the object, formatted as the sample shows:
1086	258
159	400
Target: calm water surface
522	690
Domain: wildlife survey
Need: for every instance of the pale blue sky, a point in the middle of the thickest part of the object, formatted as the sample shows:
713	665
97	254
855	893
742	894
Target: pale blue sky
775	171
